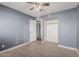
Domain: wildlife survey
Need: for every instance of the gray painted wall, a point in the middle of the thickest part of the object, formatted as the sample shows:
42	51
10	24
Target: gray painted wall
14	27
67	26
78	26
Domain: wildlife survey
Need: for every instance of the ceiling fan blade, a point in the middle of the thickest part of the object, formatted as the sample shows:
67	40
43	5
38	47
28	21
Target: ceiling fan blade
45	4
30	2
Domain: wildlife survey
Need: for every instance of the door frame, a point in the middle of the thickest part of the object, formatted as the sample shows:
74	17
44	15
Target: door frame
30	30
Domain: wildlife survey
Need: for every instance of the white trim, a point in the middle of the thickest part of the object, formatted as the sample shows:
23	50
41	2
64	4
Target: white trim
75	49
51	41
67	47
15	47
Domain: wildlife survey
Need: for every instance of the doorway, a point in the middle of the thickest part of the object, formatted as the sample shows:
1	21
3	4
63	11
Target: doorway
38	30
52	30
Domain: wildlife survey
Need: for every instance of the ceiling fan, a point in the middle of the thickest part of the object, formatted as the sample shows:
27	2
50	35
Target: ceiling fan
38	6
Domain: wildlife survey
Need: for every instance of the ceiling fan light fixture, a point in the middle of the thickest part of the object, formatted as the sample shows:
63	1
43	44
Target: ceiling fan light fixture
38	6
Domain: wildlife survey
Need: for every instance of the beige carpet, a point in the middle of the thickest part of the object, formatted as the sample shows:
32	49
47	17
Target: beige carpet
38	49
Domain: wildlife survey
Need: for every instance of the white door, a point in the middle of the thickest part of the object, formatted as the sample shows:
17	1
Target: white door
32	30
52	31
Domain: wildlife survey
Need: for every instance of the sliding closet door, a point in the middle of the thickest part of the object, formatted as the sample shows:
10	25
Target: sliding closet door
52	31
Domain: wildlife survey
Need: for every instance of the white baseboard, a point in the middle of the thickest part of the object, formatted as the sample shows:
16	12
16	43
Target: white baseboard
15	47
77	52
67	47
52	42
75	49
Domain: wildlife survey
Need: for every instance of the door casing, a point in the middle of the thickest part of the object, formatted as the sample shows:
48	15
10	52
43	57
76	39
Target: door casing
32	28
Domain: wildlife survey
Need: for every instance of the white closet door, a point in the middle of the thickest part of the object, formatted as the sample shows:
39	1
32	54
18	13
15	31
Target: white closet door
52	31
32	30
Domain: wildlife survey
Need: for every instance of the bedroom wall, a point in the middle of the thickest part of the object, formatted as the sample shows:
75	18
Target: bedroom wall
67	26
14	27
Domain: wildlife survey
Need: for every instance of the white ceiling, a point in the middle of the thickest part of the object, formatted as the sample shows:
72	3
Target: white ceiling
54	7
